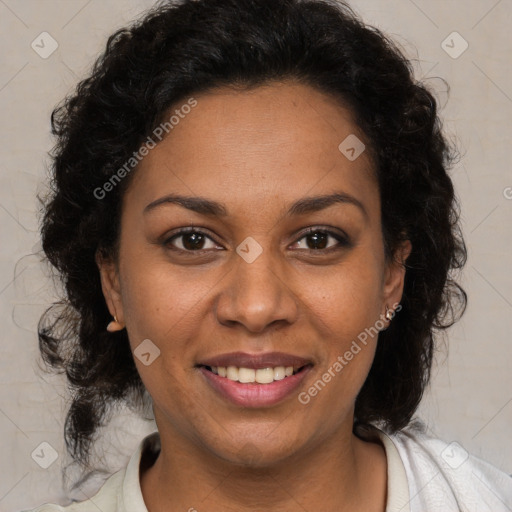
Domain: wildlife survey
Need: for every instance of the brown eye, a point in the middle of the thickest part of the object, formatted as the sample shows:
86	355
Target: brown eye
319	240
191	240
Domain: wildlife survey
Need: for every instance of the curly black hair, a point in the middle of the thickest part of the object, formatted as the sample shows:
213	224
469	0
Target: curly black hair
184	47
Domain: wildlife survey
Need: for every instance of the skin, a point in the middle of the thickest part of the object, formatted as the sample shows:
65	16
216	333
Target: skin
256	152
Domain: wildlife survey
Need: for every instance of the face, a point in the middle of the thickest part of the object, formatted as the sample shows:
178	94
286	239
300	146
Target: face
267	276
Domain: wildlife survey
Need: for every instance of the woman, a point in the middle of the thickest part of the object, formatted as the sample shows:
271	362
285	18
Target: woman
254	224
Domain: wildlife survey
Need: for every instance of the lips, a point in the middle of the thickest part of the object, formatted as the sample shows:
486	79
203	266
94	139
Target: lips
288	371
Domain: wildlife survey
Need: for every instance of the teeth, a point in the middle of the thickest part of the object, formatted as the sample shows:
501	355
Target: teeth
264	375
280	372
246	375
260	376
232	373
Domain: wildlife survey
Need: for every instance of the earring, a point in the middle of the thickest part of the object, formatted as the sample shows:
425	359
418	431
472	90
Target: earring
389	314
114	325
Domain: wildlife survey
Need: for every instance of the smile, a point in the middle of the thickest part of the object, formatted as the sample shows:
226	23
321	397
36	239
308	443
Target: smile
249	387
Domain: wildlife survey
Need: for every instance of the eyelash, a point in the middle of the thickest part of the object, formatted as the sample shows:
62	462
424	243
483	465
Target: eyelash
343	240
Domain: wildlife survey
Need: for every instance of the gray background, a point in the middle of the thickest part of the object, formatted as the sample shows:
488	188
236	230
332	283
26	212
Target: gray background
471	394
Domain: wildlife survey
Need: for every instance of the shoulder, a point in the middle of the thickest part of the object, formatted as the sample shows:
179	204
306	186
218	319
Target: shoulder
120	490
106	499
444	476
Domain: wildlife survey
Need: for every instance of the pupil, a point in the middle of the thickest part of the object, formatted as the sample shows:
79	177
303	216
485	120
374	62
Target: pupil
196	239
319	236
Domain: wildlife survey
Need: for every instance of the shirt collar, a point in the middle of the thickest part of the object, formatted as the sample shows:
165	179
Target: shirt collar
131	499
398	499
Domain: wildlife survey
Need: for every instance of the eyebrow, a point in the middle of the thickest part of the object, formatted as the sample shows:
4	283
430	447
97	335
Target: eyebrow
305	205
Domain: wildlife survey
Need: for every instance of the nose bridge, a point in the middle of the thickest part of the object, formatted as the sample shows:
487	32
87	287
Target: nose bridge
257	294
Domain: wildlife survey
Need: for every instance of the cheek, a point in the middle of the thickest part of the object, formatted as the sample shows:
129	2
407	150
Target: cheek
346	298
161	306
346	310
160	299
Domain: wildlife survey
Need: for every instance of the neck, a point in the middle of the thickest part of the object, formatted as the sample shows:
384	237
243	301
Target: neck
341	474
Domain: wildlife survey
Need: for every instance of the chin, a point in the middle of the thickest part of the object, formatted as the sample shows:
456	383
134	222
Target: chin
258	452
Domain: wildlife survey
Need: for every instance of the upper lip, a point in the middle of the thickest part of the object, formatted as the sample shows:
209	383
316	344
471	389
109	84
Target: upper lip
256	361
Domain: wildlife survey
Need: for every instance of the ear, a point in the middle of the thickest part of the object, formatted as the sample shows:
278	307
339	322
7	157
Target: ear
109	275
394	275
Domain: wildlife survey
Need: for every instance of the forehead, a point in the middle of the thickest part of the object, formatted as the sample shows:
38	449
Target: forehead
250	147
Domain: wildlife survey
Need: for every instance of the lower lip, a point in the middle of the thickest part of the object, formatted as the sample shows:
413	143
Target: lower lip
253	394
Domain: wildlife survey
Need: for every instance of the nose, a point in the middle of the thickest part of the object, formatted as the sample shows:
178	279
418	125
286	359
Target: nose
256	295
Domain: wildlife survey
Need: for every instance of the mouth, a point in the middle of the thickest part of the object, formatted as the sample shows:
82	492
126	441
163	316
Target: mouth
260	380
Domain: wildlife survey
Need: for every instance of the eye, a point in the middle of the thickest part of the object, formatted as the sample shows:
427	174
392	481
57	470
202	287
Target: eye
319	240
192	240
